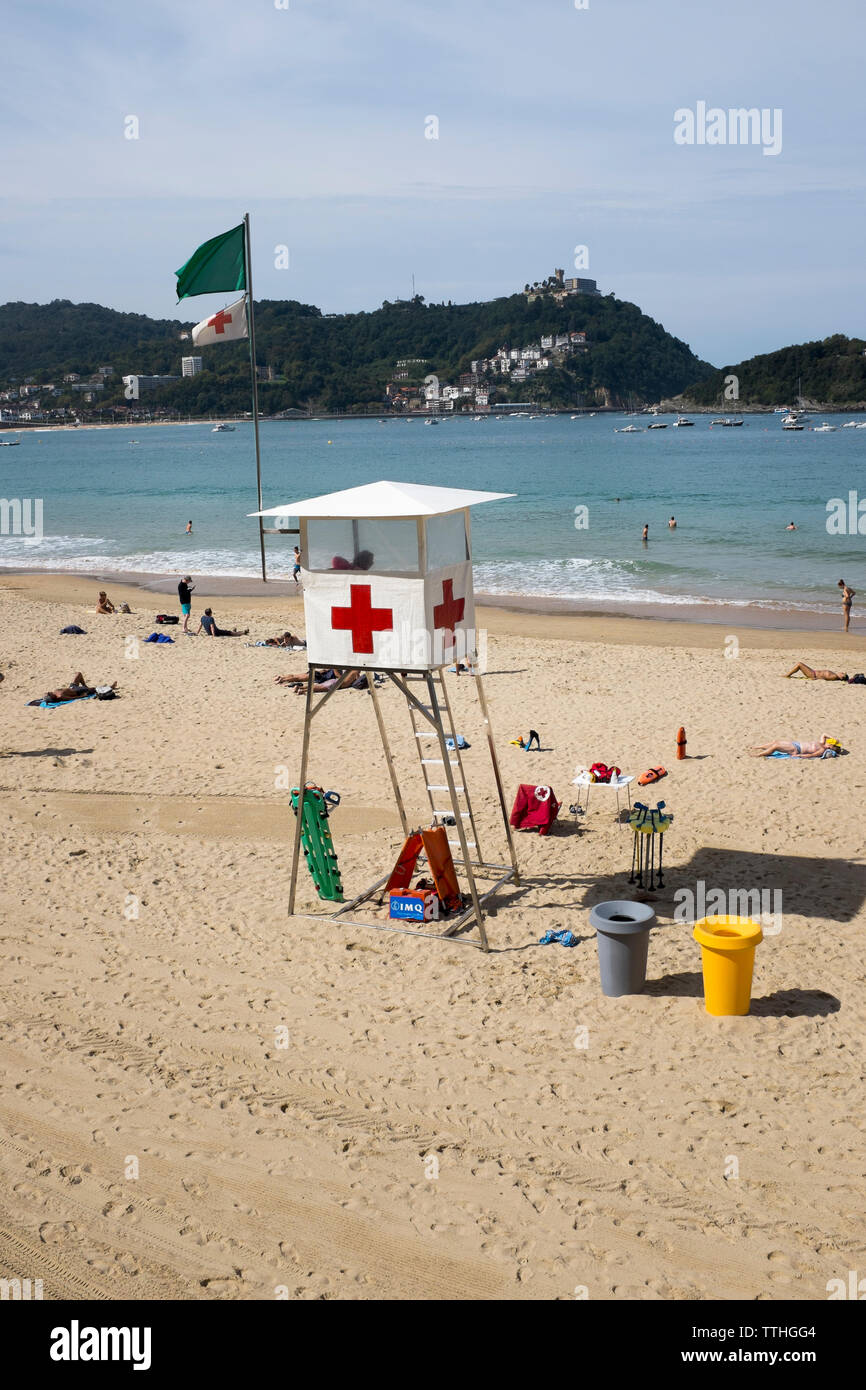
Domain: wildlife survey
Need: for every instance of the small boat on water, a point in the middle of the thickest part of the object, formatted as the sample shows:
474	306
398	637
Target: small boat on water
824	429
680	421
659	425
729	424
223	429
631	429
850	425
10	443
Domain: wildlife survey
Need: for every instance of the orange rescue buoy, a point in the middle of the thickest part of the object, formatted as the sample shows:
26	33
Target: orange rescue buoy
681	743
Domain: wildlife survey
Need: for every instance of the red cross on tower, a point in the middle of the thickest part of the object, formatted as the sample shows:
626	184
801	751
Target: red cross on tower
361	619
449	612
219	321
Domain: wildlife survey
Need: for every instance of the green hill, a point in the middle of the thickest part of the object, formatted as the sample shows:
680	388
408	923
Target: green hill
831	372
343	361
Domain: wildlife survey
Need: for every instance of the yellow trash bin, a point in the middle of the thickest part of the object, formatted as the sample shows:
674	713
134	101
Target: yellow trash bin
728	958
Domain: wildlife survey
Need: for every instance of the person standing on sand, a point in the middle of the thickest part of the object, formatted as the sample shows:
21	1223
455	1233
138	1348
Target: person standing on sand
296	569
847	596
184	593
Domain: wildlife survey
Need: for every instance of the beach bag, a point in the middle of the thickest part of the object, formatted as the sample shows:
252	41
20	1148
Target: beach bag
600	772
859	679
105	692
79	631
166	618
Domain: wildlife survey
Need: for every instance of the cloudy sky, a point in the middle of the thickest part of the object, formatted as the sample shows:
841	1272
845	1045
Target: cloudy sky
555	130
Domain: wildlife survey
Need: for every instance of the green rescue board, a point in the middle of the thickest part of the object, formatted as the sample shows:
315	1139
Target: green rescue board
318	846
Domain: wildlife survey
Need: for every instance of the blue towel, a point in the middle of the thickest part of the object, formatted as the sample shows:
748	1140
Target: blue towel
461	743
61	704
828	753
159	637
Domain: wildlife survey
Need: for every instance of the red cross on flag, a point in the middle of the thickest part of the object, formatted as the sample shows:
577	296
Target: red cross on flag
227	323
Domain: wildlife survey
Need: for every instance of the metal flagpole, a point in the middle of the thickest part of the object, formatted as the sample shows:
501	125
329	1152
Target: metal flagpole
252	325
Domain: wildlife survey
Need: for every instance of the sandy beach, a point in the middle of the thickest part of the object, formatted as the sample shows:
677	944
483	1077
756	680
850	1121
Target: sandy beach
206	1099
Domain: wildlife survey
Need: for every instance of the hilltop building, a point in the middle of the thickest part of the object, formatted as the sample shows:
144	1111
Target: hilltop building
560	287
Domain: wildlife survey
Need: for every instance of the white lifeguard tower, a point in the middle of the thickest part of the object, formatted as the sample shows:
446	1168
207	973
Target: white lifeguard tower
387	577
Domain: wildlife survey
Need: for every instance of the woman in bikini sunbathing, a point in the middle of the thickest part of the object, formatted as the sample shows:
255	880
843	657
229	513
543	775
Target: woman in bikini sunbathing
803	748
812	674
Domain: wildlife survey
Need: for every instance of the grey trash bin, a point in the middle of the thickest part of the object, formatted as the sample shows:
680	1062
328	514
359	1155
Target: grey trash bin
622	932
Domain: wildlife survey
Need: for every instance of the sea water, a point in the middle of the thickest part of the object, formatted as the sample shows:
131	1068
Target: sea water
119	500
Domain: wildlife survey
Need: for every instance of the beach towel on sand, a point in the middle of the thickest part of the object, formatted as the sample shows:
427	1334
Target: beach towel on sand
161	637
59	704
828	753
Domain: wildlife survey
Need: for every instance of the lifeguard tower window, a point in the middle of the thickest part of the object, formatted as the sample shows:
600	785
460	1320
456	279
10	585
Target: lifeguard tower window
446	540
388	547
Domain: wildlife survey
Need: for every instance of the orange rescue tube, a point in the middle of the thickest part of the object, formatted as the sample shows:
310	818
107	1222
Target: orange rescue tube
441	864
681	743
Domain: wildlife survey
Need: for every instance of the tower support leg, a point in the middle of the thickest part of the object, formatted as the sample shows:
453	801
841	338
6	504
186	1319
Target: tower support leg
299	819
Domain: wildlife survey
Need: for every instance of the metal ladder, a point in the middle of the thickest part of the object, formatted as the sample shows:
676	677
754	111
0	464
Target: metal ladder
437	791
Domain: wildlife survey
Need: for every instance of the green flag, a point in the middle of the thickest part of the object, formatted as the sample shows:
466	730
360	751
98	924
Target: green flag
217	265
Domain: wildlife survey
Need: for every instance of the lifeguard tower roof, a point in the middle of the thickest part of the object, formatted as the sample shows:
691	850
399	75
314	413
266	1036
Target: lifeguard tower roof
385	499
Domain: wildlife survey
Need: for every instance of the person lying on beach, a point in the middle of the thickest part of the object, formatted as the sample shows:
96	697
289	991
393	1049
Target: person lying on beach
209	624
812	674
288	639
323	680
73	691
104	604
804	748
